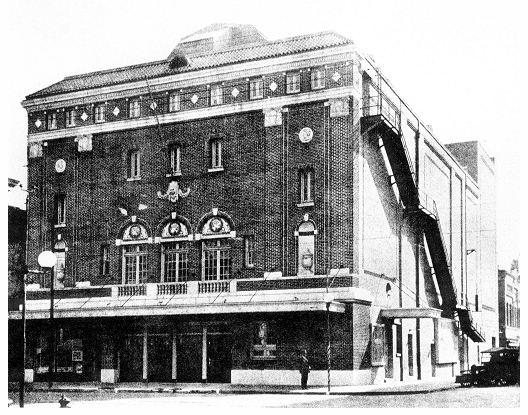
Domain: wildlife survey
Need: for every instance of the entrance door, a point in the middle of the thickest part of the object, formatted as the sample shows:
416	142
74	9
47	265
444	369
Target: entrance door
159	357
131	359
189	358
219	358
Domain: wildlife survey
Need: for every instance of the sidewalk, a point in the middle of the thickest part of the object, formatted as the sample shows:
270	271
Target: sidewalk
390	388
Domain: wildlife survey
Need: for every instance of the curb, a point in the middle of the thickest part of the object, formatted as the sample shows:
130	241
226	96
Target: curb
218	391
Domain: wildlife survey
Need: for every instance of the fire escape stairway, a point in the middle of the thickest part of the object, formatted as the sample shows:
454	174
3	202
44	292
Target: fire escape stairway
416	203
383	117
469	326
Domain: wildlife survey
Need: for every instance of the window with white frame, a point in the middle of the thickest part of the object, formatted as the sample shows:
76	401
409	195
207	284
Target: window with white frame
134	264
60	209
70	118
134	108
175	262
174	102
175	159
249	251
216	259
216	95
306	183
216	153
256	88
318	78
134	164
51	120
99	113
293	82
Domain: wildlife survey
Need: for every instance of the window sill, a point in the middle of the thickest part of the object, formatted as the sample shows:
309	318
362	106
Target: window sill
176	173
292	92
315	88
133	179
305	204
215	169
60	225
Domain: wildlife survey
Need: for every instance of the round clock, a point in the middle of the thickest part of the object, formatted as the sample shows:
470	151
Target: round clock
135	231
60	165
306	135
215	225
174	228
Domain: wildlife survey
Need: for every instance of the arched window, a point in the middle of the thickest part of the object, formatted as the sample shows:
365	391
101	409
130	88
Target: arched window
216	234
134	254
306	248
174	251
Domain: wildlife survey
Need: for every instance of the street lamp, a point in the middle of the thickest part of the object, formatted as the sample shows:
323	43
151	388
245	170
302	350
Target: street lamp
47	260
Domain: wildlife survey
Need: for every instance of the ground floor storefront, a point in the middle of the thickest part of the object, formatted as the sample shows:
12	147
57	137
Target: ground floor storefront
238	348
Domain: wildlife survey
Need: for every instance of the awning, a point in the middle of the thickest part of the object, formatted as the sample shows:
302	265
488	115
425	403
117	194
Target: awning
421	312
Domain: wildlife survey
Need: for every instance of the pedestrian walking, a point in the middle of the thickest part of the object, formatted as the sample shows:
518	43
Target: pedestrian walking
304	369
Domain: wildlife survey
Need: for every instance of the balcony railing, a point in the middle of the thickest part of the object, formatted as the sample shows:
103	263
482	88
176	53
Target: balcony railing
380	105
131	290
213	286
172	288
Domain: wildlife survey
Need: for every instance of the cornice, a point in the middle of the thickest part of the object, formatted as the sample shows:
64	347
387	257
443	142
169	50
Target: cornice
208	112
195	78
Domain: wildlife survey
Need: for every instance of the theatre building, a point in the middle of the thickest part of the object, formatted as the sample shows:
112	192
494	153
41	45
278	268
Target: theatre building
217	212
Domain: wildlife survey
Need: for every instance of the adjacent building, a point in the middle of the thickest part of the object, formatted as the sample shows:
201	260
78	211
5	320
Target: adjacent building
510	307
216	212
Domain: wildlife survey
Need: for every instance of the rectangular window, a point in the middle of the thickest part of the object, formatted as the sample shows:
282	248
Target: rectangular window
249	251
175	260
134	108
216	154
99	113
217	260
105	259
175	159
51	121
70	118
60	209
306	185
318	78
134	264
293	82
134	161
256	88
216	95
174	102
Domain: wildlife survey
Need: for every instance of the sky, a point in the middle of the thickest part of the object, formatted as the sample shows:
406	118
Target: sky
456	63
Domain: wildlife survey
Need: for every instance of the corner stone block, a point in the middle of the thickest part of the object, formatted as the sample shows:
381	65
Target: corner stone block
272	117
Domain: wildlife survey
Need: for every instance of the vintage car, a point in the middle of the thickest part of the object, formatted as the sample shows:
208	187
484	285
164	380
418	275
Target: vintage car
500	366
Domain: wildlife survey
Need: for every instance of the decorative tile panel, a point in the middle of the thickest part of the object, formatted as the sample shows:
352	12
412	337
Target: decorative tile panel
35	150
338	107
272	117
84	142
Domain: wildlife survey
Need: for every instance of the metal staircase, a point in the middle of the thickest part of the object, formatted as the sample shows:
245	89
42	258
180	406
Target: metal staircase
382	116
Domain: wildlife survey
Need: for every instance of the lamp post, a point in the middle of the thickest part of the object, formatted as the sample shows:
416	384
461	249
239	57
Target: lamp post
328	298
47	260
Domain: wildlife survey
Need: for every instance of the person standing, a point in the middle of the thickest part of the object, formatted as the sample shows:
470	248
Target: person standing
304	369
